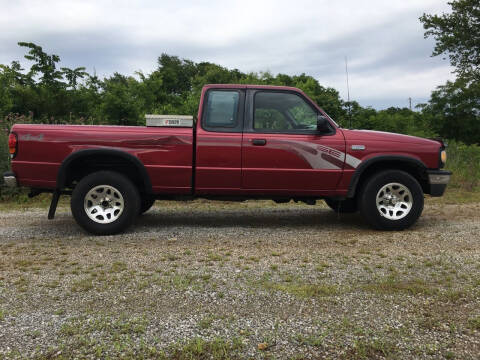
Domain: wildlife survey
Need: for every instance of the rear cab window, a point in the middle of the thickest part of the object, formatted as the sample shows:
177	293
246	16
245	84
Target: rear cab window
223	110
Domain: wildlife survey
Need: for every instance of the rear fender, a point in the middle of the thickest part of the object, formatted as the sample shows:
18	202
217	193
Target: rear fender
77	155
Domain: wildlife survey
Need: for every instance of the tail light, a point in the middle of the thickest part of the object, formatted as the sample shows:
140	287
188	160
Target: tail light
12	144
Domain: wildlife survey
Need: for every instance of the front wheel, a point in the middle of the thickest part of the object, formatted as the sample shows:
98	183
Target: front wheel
105	203
391	200
146	202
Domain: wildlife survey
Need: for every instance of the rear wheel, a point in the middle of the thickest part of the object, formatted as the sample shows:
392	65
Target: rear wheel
105	203
346	206
391	200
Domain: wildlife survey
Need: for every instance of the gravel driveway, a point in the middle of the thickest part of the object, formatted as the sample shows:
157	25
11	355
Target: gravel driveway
250	280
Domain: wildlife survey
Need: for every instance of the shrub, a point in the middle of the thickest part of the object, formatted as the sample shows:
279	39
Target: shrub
5	125
4	155
464	162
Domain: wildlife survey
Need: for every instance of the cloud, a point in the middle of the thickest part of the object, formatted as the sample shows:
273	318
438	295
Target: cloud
389	60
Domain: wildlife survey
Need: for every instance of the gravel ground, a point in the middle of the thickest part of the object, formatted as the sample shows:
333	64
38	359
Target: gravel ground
250	280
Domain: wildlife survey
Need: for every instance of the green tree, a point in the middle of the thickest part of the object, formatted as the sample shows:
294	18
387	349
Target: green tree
120	102
44	64
7	81
457	34
72	75
176	74
175	88
455	110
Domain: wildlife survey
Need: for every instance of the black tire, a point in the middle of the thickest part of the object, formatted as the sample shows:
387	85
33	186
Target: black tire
347	206
146	202
367	203
127	190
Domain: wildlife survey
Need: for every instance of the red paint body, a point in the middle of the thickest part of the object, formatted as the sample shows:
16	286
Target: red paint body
225	163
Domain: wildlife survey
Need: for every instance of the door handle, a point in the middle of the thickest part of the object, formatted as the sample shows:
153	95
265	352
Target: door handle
259	142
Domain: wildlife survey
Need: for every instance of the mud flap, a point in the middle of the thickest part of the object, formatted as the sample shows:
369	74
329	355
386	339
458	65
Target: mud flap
53	204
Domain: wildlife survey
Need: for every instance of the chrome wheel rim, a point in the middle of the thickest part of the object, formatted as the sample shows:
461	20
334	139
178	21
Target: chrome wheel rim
394	201
104	204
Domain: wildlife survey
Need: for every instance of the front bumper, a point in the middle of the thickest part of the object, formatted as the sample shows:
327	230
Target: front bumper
10	179
438	180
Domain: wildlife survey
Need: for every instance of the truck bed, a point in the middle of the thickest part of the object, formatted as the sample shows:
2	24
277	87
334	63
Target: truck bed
166	153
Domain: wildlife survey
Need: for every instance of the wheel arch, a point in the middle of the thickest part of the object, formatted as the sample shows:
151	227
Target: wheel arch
83	162
411	165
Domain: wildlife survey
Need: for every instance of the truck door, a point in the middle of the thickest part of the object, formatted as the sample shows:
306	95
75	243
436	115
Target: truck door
282	151
219	142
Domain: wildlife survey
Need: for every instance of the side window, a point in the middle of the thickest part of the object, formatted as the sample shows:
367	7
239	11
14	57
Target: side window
268	119
221	109
283	112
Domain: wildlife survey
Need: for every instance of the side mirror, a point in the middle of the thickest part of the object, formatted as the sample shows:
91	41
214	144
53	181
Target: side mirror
323	124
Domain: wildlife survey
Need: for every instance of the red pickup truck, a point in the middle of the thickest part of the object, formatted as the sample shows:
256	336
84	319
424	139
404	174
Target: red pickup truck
249	142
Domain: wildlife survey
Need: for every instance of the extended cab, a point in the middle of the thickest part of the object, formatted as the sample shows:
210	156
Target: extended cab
249	142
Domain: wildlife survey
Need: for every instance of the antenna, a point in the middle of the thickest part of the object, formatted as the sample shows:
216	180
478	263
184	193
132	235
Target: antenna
410	103
348	94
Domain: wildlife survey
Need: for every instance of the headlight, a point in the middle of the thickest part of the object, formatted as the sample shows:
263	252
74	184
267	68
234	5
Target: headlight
443	157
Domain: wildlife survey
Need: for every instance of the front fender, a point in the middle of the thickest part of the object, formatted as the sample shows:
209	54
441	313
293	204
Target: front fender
388	161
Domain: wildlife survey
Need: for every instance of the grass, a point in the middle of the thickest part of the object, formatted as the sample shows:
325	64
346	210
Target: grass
393	285
104	338
372	349
206	322
20	200
214	257
322	267
118	266
171	257
198	348
107	324
456	195
302	290
362	344
82	285
109	337
474	323
311	340
179	282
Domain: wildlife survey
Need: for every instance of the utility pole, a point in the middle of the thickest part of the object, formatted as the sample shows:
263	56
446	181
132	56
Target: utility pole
410	103
348	94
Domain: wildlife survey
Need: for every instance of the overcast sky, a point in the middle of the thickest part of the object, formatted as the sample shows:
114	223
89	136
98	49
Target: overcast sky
389	60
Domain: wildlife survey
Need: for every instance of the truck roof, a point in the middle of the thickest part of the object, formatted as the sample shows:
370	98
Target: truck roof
246	86
263	87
